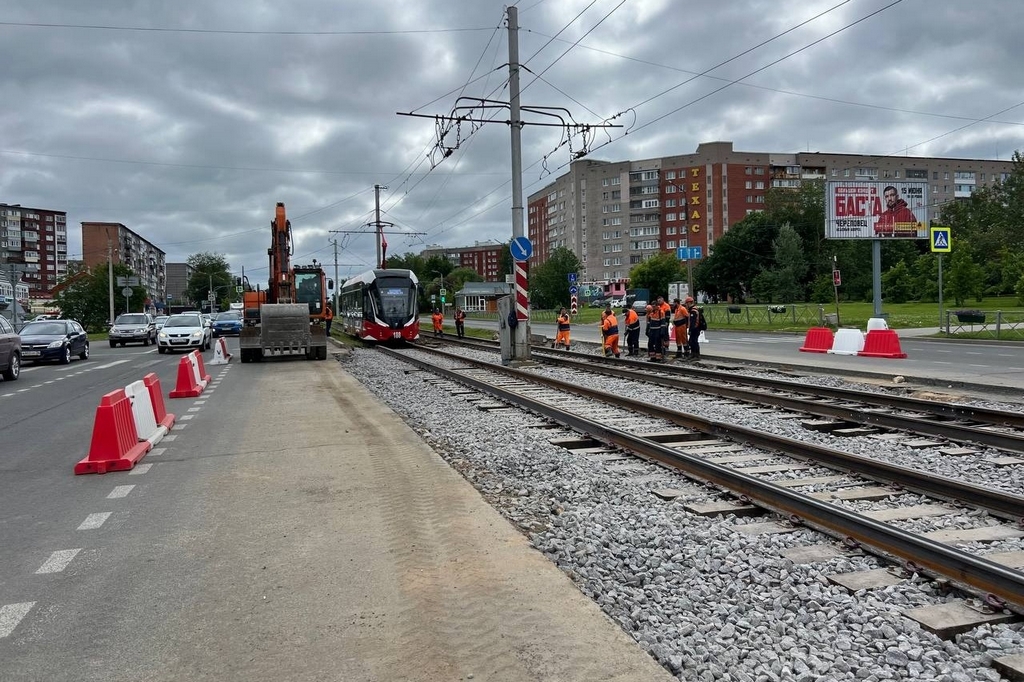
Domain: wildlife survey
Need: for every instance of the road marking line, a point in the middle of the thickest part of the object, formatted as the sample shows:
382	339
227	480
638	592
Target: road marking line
11	615
121	490
985	366
194	409
156	452
58	561
185	426
140	469
170	437
199	402
185	417
22	390
93	521
942	362
50	382
115	363
6	395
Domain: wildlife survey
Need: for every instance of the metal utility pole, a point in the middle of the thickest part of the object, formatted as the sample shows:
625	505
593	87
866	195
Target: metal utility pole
336	284
520	287
110	274
376	221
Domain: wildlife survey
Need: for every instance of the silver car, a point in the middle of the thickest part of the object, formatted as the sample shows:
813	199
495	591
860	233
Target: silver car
132	328
185	332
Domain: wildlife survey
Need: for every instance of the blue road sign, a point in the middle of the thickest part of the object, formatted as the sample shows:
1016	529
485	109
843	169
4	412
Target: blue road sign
941	239
521	248
574	290
690	253
572	278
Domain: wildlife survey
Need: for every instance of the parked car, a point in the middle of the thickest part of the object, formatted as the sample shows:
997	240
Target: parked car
640	307
597	303
185	332
228	324
133	328
10	351
53	340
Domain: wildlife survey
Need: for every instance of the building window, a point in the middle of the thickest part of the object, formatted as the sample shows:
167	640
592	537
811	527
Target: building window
759	171
670	244
670	230
945	176
759	184
671	189
670	216
749	184
670	175
846	172
670	203
748	170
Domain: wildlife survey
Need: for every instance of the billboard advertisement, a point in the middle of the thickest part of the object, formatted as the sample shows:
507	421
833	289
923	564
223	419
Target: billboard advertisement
876	210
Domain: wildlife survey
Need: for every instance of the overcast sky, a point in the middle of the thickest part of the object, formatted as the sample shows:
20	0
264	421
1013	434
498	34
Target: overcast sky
189	133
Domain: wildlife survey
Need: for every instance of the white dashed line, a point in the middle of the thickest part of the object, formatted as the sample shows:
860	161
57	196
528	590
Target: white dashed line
199	402
982	366
121	490
170	438
194	409
58	561
110	364
140	469
94	521
11	615
184	426
156	452
185	417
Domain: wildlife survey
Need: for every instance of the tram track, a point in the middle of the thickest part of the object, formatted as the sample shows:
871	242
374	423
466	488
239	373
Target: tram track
1000	584
841	408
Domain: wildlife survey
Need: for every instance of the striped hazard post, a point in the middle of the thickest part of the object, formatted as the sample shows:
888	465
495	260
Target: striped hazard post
521	285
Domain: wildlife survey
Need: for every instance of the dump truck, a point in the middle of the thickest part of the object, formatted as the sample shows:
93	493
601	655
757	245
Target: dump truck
289	316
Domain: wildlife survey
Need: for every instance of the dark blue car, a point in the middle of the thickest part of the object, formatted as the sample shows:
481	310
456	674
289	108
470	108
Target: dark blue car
228	324
53	340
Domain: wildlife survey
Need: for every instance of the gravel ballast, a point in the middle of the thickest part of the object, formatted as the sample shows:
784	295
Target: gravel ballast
707	601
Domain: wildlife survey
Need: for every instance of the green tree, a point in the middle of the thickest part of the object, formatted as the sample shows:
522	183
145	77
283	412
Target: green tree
739	256
656	273
210	272
964	278
549	282
898	284
85	296
505	261
790	266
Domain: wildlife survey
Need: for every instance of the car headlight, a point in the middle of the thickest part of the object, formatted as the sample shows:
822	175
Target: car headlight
56	344
163	335
196	335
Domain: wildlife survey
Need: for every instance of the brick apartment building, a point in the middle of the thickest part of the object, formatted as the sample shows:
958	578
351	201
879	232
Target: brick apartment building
615	214
38	239
484	257
114	240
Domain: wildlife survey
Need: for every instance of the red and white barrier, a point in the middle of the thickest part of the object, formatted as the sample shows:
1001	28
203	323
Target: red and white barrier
192	376
221	356
115	444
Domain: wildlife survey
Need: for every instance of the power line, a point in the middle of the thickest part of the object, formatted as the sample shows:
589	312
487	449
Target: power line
215	31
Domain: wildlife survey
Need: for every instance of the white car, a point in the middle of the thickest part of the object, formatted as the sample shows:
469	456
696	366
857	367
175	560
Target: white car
186	332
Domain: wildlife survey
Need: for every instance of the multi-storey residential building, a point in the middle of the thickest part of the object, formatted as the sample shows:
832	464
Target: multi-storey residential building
613	215
484	257
37	238
178	275
101	241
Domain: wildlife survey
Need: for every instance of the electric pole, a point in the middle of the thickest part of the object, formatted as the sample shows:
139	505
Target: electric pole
337	285
381	242
110	274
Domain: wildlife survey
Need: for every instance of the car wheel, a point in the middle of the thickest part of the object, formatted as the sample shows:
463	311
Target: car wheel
145	342
84	355
14	371
65	359
113	344
161	350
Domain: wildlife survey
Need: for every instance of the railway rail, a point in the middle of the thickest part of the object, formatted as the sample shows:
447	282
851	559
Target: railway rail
696	455
843	407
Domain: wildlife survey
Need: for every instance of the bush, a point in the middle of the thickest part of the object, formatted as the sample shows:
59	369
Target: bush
970	316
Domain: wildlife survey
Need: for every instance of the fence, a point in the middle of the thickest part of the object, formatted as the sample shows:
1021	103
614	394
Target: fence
977	324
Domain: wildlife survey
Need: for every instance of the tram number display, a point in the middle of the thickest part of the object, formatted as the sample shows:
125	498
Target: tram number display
396	335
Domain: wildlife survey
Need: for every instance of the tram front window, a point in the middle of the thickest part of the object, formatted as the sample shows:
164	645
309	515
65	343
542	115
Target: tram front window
395	303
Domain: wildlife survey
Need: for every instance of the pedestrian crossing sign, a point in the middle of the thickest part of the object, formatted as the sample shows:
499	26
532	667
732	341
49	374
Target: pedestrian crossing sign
942	241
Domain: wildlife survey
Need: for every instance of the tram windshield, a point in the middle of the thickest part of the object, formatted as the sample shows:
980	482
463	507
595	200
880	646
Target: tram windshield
396	301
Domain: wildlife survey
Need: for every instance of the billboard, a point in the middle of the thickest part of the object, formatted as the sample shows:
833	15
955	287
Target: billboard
876	210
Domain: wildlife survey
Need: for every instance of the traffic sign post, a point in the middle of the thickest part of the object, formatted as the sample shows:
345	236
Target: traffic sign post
521	249
574	307
941	241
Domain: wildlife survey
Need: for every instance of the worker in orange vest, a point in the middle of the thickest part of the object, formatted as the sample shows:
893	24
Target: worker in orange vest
632	322
666	311
610	332
328	318
460	322
562	335
655	330
438	319
680	324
